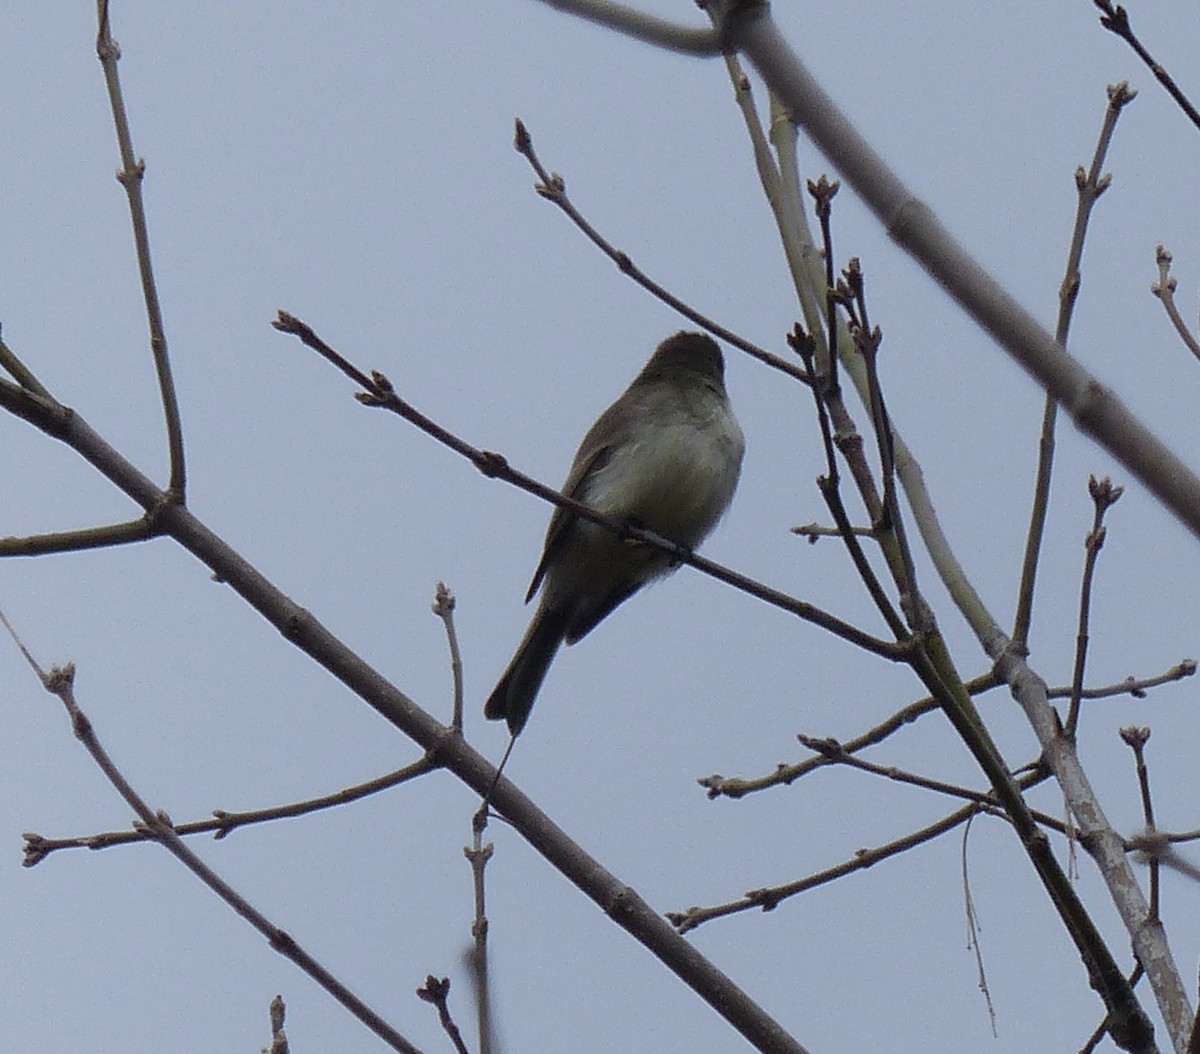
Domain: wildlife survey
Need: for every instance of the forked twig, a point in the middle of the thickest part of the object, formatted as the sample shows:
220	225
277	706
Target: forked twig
1089	185
60	681
37	848
437	992
1164	289
734	787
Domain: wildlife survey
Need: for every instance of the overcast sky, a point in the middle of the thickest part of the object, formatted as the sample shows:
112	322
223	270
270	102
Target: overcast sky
353	164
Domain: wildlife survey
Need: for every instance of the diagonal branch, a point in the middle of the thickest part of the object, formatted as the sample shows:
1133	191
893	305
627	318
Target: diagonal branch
769	898
1116	20
60	681
130	176
648	28
379	392
299	627
553	188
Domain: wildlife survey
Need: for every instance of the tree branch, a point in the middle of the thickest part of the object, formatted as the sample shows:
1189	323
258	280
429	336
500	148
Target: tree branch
300	628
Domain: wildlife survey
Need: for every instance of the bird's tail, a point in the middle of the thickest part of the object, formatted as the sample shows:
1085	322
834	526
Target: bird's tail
512	698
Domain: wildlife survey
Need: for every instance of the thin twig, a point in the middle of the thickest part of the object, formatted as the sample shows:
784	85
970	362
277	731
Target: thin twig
19	372
974	927
828	396
1133	686
438	993
1089	186
1136	739
1116	20
1104	496
553	188
782	775
130	176
814	532
84	538
808	268
890	529
1164	289
37	848
835	753
647	28
769	898
443	607
764	163
479	853
829	484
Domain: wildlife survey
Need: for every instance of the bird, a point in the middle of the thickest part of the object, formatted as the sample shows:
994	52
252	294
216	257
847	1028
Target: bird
665	457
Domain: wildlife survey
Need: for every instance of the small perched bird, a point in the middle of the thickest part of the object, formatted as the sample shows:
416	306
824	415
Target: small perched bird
666	457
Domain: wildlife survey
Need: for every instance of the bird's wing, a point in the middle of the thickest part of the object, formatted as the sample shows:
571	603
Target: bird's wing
586	462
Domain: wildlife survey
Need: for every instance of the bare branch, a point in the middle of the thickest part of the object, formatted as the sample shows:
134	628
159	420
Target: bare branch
1136	739
130	531
731	787
130	176
1116	20
438	993
19	372
380	393
769	898
37	848
553	188
1164	289
443	607
479	853
1104	496
1089	186
60	681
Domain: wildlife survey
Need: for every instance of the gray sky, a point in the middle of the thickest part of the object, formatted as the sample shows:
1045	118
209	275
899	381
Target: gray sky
354	166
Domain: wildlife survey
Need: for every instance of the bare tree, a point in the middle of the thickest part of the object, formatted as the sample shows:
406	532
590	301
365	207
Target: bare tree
876	512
